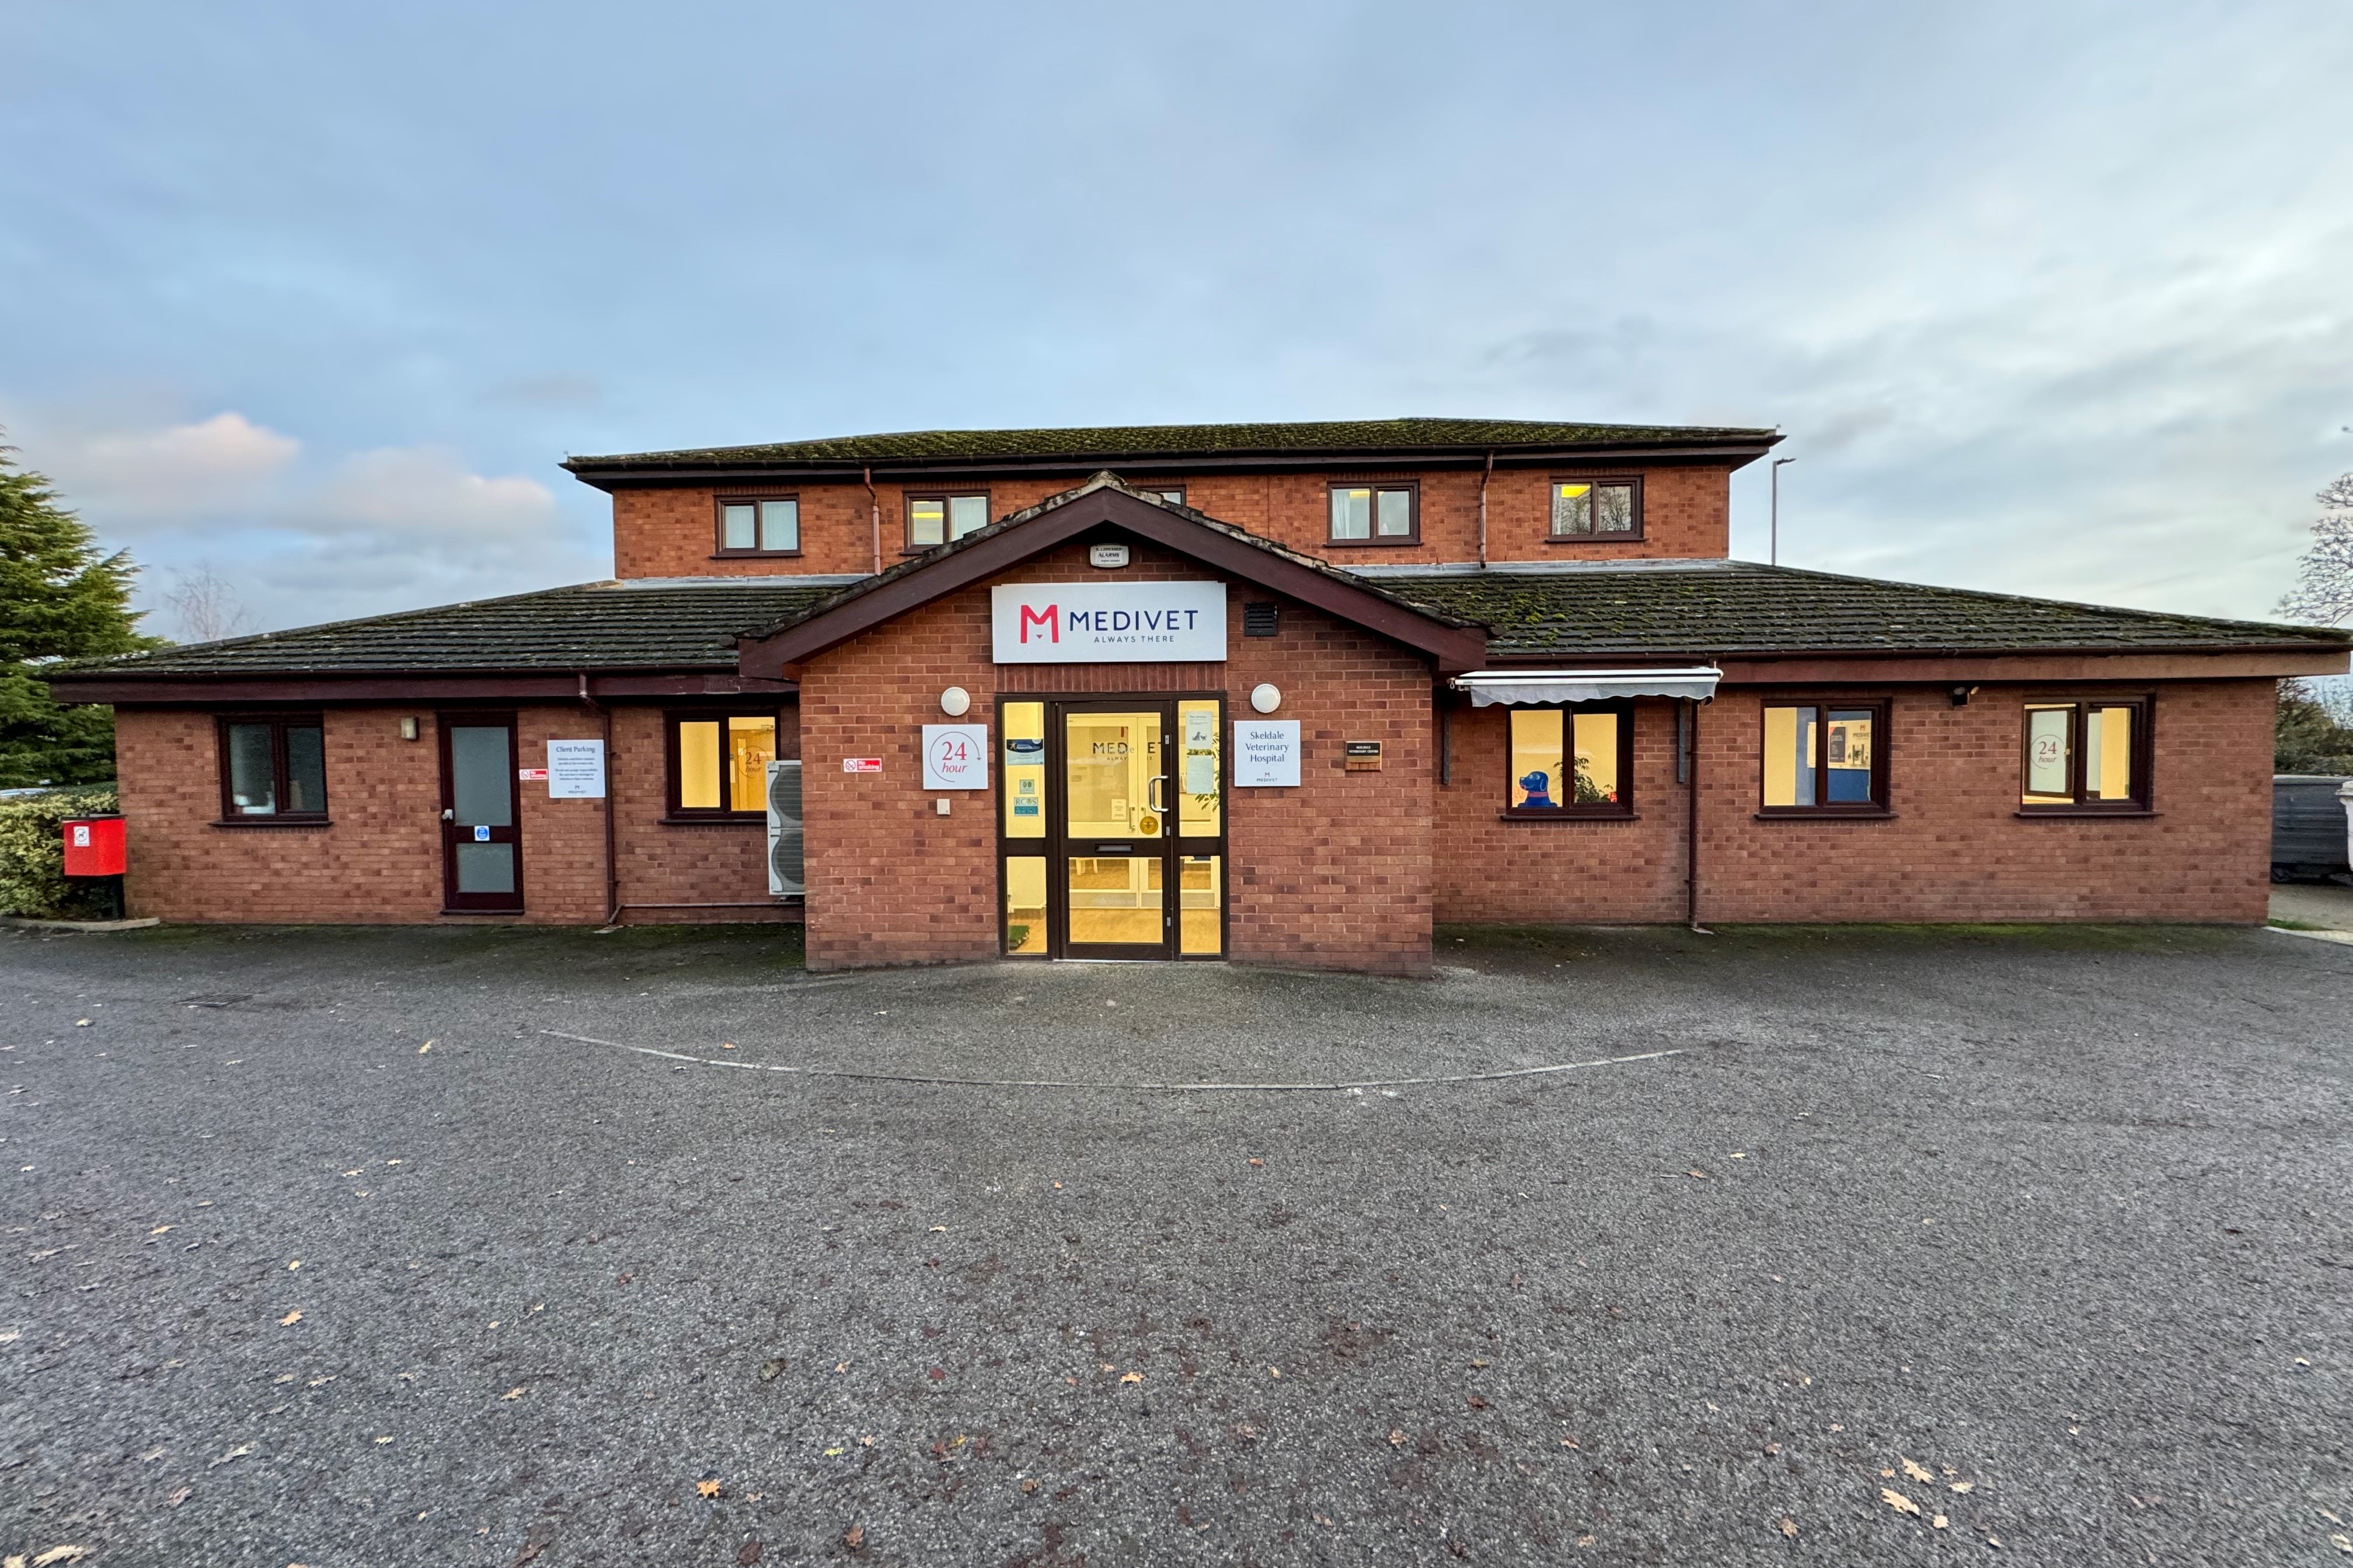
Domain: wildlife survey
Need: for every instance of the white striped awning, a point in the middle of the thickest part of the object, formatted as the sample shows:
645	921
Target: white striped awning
1520	688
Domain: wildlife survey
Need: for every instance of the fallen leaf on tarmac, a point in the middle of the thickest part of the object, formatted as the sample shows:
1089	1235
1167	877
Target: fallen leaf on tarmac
81	1023
772	1369
1917	1472
1321	1520
2341	1543
61	1554
1396	1437
1274	1372
1788	1527
939	1227
1960	1486
425	1047
1132	1378
177	1498
1938	1522
1030	1485
1253	1162
515	1392
835	1453
383	1439
1476	1403
854	1537
291	1318
748	1553
1569	1442
727	1046
1899	1502
292	1263
158	1230
706	1489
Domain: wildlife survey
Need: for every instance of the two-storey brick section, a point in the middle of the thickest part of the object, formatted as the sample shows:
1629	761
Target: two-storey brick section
1286	693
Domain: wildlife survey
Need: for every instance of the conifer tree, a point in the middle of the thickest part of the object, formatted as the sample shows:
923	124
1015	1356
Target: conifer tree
60	598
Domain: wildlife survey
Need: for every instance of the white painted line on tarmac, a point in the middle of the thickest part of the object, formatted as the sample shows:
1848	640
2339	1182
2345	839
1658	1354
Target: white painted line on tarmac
2345	937
1110	1083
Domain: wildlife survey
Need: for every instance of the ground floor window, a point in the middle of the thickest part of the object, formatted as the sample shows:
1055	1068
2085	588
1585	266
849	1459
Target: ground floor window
1825	757
719	763
273	766
1571	761
2085	756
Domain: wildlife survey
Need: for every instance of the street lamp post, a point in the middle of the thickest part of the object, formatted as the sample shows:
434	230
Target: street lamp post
1773	556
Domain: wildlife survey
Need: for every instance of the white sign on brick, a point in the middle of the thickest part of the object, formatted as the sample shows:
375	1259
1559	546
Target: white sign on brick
1266	754
1108	623
955	756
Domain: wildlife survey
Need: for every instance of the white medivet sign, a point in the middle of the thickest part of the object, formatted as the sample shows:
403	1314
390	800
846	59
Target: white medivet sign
575	770
1266	754
1105	623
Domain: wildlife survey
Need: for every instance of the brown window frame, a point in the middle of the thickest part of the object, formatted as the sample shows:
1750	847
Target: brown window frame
907	516
721	551
1596	536
1377	540
672	719
278	724
1881	734
1620	808
2144	754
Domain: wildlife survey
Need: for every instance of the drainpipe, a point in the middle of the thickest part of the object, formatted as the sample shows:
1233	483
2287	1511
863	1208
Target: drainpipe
874	511
1691	828
612	860
1485	474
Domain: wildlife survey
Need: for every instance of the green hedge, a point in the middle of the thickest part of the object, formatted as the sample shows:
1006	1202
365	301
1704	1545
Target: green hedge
32	855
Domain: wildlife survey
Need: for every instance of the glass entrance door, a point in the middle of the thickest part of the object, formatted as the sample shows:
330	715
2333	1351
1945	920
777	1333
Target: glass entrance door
482	848
1115	833
1112	827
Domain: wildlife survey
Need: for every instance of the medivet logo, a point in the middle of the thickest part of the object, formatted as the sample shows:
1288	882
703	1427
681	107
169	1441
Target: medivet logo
1084	623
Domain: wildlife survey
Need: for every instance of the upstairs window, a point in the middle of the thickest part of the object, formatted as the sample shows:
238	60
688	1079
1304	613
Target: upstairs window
1826	759
1597	508
2085	756
1375	514
274	768
1571	761
767	525
719	763
1173	494
935	519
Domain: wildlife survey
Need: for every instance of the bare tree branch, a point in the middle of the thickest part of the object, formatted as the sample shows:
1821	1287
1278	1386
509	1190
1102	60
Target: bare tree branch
205	606
2324	584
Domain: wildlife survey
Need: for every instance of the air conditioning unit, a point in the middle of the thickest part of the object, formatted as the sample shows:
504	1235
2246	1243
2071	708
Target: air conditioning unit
785	879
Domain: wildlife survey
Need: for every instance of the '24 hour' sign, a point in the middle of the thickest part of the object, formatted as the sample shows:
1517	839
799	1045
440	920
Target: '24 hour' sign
1106	623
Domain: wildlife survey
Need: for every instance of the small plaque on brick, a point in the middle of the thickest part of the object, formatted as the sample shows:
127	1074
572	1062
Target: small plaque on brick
1364	756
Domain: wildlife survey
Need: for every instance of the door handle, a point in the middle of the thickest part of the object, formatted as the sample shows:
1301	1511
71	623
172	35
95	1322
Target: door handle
1155	796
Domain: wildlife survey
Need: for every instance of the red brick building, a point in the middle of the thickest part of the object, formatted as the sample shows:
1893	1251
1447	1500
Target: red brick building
1285	693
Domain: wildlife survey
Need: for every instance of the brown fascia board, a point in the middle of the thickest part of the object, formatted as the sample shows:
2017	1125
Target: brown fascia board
641	475
420	688
1454	648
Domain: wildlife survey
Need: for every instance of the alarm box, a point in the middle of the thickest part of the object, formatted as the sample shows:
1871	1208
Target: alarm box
94	846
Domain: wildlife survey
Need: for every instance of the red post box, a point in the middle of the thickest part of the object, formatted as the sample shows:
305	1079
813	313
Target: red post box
94	846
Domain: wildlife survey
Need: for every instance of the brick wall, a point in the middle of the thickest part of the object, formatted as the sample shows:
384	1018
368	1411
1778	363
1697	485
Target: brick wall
1954	849
1573	870
1335	873
379	857
671	532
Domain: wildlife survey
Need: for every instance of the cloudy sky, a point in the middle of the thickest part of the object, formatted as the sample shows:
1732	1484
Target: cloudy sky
2054	298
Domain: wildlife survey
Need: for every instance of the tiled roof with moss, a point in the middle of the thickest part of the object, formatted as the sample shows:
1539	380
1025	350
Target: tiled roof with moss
592	626
1147	443
1739	607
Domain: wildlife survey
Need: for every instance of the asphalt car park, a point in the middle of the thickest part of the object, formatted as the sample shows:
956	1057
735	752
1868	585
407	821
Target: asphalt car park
501	1247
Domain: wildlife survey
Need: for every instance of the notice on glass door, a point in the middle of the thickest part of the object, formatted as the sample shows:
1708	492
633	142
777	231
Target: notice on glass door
1266	754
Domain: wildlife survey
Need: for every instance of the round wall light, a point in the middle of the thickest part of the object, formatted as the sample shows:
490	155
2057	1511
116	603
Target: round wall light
956	702
1265	697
